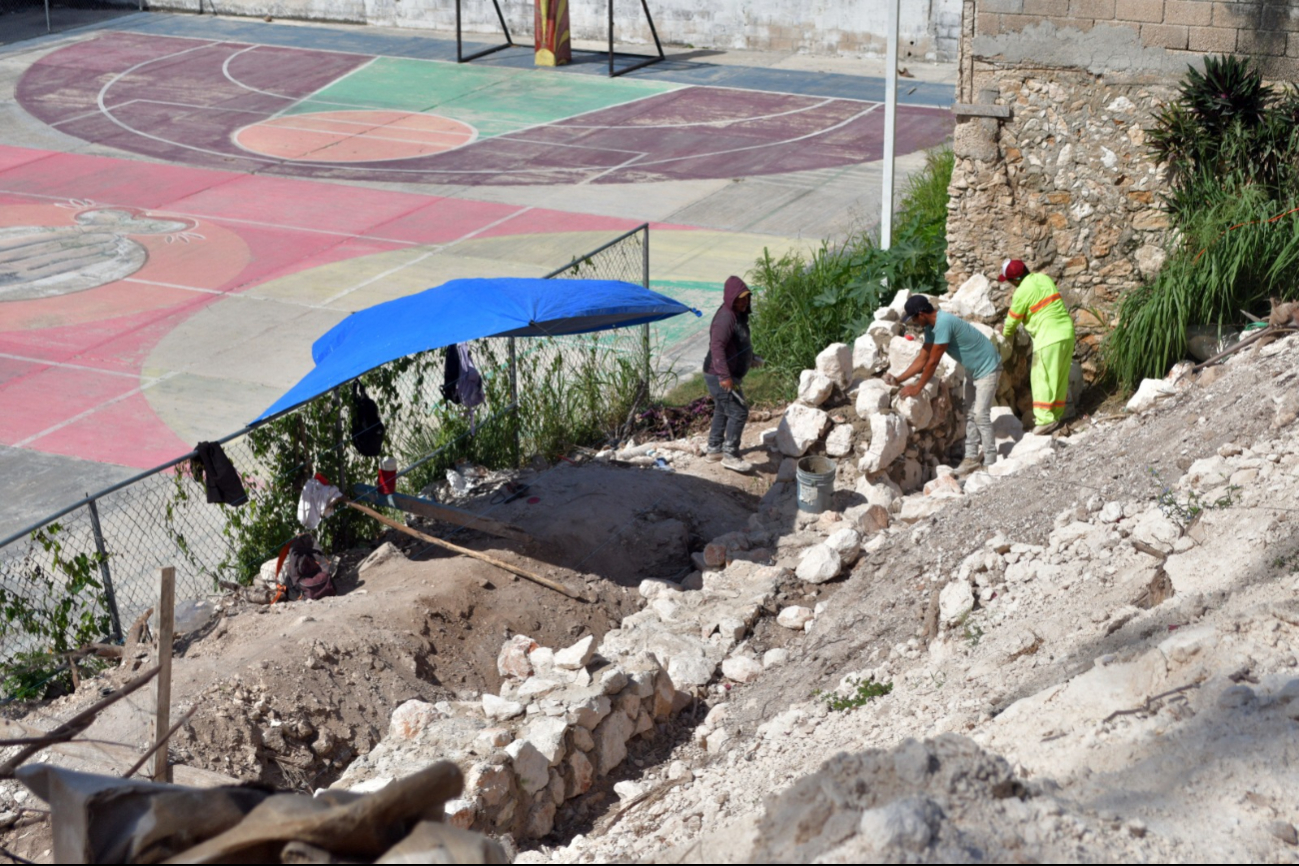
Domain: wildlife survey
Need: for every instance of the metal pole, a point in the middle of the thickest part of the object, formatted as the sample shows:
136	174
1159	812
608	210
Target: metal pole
645	328
110	597
48	28
890	116
611	38
166	632
514	396
459	54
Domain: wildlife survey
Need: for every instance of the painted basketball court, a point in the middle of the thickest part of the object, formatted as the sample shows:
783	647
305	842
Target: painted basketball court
186	203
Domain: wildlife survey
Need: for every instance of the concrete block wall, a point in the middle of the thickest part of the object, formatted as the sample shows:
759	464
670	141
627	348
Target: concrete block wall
929	29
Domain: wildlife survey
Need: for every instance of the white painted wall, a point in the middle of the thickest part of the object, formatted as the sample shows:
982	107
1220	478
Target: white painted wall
929	28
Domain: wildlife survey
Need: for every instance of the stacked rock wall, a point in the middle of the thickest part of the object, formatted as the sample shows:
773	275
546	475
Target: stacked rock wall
1066	182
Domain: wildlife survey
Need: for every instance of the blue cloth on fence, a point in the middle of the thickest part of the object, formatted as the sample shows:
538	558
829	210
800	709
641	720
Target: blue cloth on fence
471	309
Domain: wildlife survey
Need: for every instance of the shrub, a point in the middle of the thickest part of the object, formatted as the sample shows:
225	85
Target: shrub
803	303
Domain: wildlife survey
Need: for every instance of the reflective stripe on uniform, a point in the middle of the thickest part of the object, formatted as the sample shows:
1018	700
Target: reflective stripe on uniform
1014	315
1056	405
1042	303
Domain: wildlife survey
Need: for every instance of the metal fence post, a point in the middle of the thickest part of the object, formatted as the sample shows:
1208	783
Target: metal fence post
514	397
645	328
110	597
345	536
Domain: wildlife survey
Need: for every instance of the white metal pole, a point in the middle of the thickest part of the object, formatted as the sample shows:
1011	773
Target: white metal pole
890	116
48	28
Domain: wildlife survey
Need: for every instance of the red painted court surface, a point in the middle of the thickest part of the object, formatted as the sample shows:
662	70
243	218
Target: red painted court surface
310	113
101	258
136	297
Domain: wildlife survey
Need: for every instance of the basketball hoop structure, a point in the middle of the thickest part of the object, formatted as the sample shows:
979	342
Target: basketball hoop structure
509	41
614	71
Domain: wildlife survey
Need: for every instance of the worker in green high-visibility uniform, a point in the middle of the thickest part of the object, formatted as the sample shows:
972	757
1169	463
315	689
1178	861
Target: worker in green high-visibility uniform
1037	306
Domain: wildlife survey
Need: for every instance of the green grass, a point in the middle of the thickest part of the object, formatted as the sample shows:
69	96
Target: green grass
804	303
761	387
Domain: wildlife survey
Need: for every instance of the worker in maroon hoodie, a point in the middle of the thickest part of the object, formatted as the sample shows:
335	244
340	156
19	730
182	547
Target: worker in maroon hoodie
730	356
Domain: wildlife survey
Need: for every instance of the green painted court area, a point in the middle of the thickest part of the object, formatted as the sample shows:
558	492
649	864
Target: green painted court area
494	101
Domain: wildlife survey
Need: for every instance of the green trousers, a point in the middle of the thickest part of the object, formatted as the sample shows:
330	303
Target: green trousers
1050	380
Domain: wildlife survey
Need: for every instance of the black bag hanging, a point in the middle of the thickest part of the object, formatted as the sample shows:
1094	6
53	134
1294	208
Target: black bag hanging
367	426
218	474
451	375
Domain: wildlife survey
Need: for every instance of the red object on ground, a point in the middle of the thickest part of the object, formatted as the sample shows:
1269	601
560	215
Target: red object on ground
911	336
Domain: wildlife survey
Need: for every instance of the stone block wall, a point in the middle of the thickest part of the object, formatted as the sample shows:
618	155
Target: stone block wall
928	29
1066	182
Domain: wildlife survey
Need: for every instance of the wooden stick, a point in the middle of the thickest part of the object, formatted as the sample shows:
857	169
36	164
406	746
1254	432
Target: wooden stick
445	513
72	726
162	741
166	626
1236	347
415	533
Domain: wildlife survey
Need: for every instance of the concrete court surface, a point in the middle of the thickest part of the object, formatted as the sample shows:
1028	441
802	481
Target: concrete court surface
187	202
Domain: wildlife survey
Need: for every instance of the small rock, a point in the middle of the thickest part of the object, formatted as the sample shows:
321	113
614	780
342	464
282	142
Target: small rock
513	659
847	543
795	616
955	601
383	553
1237	697
628	790
1137	827
530	766
819	564
839	442
814	388
835	363
679	772
775	657
460	813
741	669
576	656
1284	831
501	709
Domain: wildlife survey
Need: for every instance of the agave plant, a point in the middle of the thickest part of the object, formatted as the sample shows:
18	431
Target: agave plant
1230	90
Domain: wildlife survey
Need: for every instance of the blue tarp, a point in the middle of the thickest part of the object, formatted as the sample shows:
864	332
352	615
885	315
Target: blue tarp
464	310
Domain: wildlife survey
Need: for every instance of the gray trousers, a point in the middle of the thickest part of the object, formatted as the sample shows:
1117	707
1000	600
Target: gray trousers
730	412
979	394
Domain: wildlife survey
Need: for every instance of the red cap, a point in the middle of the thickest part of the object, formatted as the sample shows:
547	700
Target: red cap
1012	269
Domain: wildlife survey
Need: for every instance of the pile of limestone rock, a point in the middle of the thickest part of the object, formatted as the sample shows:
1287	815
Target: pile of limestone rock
889	447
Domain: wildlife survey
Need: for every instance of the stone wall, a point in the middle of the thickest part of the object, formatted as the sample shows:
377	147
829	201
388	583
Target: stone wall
1065	182
929	29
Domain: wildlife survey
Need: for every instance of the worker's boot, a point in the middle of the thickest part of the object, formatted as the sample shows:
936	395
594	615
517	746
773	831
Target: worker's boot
968	466
1047	429
736	464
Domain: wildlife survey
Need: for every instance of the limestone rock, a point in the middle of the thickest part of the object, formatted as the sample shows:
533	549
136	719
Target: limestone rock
741	669
944	484
872	398
547	736
955	601
973	300
578	775
576	656
835	363
875	518
513	659
410	718
530	766
814	388
491	784
611	738
901	353
888	440
1150	392
1150	260
775	657
819	564
916	508
501	709
795	617
886	314
882	331
801	428
867	358
839	442
1158	531
460	813
847	542
910	823
918	411
385	552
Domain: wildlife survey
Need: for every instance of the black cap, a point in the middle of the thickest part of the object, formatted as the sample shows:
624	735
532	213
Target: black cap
915	306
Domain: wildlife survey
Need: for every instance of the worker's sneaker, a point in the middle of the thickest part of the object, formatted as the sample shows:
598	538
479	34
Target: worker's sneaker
736	464
713	456
967	466
1047	429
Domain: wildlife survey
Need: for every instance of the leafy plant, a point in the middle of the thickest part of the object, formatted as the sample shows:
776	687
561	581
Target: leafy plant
863	692
802	303
972	632
1183	511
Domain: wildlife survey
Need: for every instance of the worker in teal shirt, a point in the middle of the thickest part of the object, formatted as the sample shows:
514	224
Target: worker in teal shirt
948	334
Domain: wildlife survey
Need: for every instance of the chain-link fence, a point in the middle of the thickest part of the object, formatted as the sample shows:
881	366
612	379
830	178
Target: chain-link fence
87	572
27	19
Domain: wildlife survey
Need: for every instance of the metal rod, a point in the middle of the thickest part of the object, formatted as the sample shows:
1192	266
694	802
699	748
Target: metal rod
514	396
622	237
610	38
644	4
645	328
110	597
890	118
48	28
461	57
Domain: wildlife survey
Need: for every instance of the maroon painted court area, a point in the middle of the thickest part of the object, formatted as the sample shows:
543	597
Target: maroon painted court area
183	100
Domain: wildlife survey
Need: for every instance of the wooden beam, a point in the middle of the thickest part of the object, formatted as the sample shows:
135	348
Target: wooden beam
437	511
166	628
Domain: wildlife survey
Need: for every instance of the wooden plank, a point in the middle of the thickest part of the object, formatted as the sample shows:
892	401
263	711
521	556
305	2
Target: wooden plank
437	511
966	109
166	629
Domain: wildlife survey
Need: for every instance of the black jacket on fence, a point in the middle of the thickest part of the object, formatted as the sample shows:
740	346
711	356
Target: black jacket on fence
219	475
